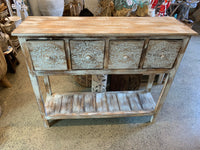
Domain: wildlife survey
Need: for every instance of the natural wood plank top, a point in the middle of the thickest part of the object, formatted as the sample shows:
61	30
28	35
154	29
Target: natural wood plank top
101	26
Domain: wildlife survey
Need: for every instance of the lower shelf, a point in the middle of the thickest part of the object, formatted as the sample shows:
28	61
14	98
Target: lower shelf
99	105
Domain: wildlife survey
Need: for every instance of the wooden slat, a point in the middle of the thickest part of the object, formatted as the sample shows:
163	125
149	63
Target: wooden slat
146	101
134	102
101	102
123	101
112	102
90	102
49	105
78	103
66	104
58	103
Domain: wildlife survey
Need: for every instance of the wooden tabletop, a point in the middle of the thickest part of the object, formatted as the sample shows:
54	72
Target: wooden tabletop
101	26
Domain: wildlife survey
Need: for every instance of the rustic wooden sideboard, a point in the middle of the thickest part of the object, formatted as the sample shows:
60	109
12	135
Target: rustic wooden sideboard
99	46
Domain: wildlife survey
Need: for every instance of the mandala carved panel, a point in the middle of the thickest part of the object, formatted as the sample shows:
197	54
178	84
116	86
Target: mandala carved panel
86	54
125	54
48	55
162	53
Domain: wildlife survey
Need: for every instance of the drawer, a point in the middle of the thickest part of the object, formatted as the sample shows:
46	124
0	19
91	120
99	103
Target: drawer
125	54
87	54
48	55
162	53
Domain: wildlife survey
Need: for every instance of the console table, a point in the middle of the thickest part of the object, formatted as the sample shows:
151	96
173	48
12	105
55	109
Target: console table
99	46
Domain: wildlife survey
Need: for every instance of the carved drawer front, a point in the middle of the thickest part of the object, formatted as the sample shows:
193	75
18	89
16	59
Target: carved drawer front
162	53
48	55
86	54
125	54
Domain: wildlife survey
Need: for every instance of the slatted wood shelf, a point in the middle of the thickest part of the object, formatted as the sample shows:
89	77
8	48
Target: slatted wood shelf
98	105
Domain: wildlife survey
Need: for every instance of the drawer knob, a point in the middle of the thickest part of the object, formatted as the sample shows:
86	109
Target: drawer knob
125	57
88	57
162	56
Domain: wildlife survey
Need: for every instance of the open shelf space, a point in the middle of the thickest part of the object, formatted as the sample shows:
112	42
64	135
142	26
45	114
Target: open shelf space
99	105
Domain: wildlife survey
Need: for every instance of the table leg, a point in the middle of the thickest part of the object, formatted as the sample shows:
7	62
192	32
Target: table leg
170	77
39	98
160	78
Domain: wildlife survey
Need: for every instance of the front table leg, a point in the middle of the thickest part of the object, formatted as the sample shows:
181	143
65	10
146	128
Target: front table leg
39	98
99	83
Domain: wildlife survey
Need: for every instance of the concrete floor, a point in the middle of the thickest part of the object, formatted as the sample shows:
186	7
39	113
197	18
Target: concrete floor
177	125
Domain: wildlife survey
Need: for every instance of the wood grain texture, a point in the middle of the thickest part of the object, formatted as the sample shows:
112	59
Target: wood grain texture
45	55
162	53
146	100
160	78
125	54
87	54
95	104
47	85
150	82
134	102
101	102
123	101
101	26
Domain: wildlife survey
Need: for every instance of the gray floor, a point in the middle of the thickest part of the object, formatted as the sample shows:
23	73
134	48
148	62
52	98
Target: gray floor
177	125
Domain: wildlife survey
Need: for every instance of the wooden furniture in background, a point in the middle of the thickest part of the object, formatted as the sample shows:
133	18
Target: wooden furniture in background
3	70
99	46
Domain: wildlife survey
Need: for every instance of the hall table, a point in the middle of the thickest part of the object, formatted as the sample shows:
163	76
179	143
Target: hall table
99	46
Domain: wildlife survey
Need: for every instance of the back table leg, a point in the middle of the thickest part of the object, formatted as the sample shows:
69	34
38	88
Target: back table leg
99	83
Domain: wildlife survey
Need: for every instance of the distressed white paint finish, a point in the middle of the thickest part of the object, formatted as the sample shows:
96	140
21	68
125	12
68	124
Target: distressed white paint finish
48	55
124	103
94	104
150	82
106	104
162	53
87	54
146	100
125	54
134	102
